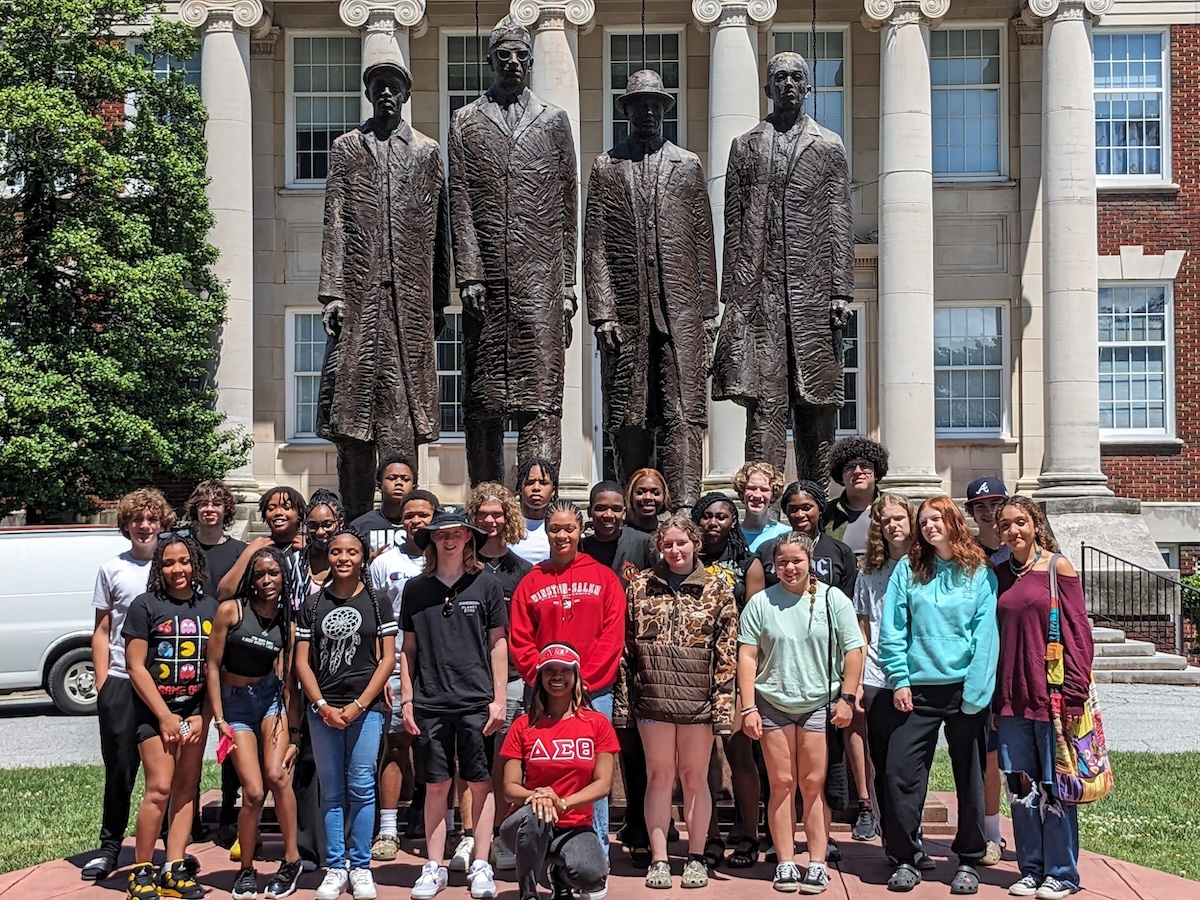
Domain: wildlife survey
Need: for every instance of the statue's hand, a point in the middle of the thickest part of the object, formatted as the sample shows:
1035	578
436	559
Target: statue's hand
839	313
570	305
439	322
473	296
331	318
608	335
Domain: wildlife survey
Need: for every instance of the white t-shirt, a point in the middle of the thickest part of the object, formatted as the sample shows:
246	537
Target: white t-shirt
535	547
855	534
390	571
870	590
118	583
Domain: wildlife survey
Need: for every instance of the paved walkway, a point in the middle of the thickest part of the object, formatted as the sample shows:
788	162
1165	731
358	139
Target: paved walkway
862	875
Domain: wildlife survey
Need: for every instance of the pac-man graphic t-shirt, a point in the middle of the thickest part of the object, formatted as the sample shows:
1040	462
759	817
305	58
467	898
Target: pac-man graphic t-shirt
175	632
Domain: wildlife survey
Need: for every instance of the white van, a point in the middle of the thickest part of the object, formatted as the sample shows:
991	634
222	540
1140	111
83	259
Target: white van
47	576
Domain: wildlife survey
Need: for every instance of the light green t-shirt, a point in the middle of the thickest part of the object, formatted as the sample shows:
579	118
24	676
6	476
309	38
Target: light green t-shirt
793	645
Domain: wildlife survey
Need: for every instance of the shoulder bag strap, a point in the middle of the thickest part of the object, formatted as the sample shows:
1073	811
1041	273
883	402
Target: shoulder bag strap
1054	647
1055	626
829	654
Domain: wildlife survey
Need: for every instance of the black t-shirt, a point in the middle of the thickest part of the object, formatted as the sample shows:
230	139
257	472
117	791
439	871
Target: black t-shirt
508	569
453	667
343	639
379	529
220	559
175	632
627	555
833	562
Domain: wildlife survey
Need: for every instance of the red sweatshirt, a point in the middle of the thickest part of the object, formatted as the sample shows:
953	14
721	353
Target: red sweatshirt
582	605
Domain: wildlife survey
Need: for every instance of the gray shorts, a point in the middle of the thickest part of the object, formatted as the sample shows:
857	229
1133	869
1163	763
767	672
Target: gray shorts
395	722
773	717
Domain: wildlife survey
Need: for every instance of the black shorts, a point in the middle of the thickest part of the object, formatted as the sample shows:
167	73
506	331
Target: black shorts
445	738
147	721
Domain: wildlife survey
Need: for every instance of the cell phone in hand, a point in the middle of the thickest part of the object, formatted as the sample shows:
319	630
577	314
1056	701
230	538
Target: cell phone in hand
224	745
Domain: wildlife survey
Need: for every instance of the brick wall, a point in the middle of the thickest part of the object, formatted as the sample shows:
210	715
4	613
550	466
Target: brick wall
1161	222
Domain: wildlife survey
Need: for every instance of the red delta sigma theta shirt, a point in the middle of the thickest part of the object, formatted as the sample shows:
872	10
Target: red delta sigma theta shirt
561	754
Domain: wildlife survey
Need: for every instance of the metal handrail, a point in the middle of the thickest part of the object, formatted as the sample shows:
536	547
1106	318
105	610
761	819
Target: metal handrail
1145	604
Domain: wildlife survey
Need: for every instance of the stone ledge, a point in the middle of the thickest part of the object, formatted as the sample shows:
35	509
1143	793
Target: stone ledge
1152	187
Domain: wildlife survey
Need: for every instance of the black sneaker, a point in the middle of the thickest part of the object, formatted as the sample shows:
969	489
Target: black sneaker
864	824
177	881
100	866
283	882
833	853
245	886
562	890
191	865
143	883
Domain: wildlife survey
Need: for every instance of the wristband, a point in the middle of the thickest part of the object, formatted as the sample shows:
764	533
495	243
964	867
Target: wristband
749	709
405	701
361	708
218	721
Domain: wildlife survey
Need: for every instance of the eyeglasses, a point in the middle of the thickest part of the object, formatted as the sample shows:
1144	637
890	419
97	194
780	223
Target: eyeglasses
504	55
855	466
327	525
448	604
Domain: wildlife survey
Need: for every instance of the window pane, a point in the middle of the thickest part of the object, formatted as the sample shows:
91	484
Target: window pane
966	118
1133	326
826	63
325	84
661	55
1129	83
969	368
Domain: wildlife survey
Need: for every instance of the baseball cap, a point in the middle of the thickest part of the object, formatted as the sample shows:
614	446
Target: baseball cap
987	488
558	654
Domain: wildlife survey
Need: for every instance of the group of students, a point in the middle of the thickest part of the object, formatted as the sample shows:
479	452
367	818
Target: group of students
511	651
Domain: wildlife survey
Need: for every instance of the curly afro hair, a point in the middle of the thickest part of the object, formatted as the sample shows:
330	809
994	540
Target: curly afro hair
857	447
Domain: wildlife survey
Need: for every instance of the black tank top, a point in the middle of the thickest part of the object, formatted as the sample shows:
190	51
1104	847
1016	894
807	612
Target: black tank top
253	645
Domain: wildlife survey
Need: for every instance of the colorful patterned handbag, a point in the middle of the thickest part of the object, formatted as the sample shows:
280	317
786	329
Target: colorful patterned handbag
1082	771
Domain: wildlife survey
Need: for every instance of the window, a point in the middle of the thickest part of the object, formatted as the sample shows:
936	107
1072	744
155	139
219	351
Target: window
1131	105
968	360
305	354
465	73
325	88
664	53
163	65
965	73
827	67
1136	366
449	350
851	417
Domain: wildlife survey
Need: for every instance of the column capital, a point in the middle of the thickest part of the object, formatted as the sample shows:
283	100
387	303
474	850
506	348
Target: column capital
383	16
555	14
877	13
743	13
1038	12
221	15
1028	34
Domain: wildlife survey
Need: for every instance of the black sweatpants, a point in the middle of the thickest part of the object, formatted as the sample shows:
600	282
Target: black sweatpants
310	829
119	749
633	770
909	757
880	723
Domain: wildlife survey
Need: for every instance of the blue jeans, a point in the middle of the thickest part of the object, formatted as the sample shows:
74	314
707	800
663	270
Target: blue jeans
346	760
602	702
1046	830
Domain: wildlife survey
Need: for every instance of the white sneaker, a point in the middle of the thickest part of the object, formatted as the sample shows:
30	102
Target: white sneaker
1026	887
1053	889
502	858
431	882
362	885
333	884
461	860
480	878
595	895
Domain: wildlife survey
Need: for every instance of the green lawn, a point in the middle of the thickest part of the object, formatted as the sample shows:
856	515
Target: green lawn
1151	818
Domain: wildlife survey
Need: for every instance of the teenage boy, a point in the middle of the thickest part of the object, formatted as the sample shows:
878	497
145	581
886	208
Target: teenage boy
858	464
537	486
211	509
624	550
141	515
395	477
453	672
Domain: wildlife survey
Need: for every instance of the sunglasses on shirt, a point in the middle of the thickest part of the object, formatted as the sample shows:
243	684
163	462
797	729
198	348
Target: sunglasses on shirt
448	604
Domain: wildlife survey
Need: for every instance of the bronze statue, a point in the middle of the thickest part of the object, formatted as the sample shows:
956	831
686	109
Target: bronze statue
788	277
650	278
513	195
385	281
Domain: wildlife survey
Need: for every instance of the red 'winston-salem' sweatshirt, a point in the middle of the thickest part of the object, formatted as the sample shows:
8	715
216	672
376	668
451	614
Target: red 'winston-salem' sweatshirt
581	604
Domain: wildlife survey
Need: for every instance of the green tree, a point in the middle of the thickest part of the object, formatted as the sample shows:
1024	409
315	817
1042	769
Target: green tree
109	310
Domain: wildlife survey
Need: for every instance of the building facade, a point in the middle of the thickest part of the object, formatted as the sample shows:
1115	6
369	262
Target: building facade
1024	180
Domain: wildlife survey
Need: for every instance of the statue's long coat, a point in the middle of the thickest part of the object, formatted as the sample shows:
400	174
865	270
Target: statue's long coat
616	274
814	220
513	208
382	361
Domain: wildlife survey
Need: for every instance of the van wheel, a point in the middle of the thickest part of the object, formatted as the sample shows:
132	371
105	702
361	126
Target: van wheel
72	682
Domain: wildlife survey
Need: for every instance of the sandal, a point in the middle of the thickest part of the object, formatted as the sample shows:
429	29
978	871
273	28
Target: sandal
714	852
745	854
639	857
966	881
904	879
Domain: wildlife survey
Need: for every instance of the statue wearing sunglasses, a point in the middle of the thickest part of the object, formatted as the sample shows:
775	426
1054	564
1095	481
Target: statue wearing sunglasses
513	198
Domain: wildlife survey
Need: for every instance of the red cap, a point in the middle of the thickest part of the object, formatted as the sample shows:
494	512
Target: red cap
558	654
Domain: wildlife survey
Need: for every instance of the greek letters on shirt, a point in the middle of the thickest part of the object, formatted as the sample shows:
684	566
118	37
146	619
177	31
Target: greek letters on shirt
563	749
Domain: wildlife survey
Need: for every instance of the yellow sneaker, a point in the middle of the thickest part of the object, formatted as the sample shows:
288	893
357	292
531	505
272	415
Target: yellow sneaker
143	883
177	881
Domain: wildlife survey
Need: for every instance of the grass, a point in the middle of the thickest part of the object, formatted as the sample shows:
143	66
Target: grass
1152	817
55	812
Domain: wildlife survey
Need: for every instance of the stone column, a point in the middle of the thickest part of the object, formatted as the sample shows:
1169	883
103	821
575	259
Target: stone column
735	92
556	27
906	241
386	29
1071	462
225	88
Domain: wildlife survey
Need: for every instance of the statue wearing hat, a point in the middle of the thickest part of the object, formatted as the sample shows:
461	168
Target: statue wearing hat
788	278
385	281
650	280
513	198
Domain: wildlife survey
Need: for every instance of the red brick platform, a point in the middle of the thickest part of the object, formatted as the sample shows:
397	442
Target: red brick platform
863	874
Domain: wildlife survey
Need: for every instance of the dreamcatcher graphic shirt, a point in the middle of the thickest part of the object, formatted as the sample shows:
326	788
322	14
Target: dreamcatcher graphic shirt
343	642
176	634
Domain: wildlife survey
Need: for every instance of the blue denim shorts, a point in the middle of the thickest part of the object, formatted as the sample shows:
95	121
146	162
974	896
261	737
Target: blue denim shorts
246	707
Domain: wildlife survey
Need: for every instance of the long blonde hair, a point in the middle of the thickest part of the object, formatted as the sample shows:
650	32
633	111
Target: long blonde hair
877	550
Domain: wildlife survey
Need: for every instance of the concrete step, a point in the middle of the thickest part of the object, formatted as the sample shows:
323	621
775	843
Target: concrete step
1107	635
1157	662
1125	648
1186	677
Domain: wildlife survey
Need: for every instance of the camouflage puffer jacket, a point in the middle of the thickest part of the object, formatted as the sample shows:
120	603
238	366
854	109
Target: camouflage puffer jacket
680	651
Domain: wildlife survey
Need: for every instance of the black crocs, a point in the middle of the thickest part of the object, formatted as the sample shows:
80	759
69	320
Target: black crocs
904	879
966	881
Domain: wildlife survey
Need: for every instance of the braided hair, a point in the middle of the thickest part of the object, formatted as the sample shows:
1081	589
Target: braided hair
320	497
736	546
364	576
548	469
246	593
156	584
814	490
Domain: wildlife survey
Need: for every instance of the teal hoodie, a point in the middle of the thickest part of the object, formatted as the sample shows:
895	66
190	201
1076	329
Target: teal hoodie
942	632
